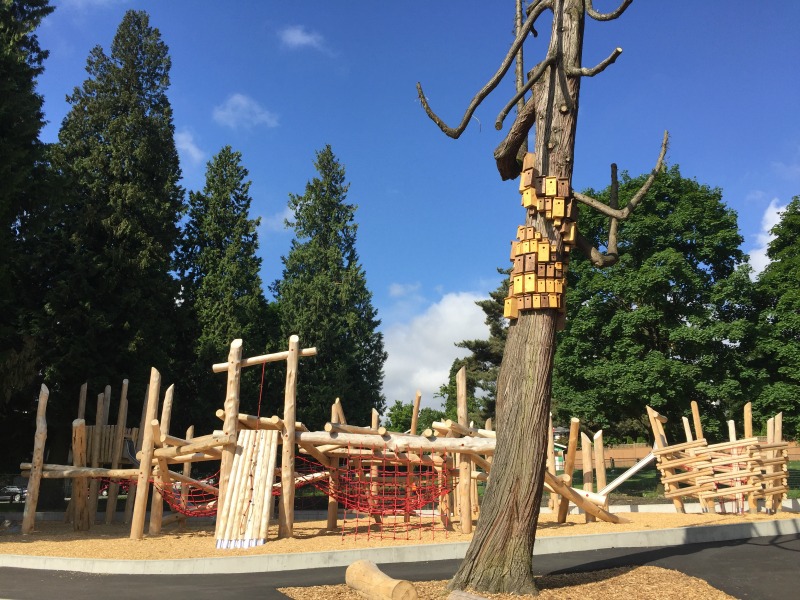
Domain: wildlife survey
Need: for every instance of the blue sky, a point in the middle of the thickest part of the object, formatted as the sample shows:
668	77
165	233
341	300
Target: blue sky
279	80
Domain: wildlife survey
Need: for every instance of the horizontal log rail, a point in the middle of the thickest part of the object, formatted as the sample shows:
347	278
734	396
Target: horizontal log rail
398	443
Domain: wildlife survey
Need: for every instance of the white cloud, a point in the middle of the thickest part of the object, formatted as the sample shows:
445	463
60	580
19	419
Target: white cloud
296	36
187	148
788	170
422	349
770	218
240	111
275	222
402	290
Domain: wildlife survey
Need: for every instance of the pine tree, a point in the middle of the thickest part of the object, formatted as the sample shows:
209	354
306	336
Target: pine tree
779	342
221	287
21	154
107	252
323	298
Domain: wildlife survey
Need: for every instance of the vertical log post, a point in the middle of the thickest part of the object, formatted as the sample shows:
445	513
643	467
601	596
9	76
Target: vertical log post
286	508
687	429
586	465
137	447
143	480
70	512
157	502
333	484
373	470
465	463
599	461
116	456
748	420
777	436
230	424
101	418
698	425
80	485
569	466
29	514
415	413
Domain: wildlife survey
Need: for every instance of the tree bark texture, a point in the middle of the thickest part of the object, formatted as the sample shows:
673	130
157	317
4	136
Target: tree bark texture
499	558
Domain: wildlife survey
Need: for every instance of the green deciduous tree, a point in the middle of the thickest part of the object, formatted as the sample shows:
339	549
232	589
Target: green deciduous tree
779	320
323	298
221	286
107	246
659	327
398	417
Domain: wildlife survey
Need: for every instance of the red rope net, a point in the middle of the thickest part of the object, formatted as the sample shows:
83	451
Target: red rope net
189	499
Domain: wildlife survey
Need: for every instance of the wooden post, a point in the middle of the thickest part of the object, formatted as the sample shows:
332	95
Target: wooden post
116	456
333	484
465	464
99	423
599	461
748	420
187	472
157	502
586	464
415	412
143	481
731	431
29	514
569	466
687	429
137	447
286	508
698	426
777	437
80	486
69	514
230	424
373	470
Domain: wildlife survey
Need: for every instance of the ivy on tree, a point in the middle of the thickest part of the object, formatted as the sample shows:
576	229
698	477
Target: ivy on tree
323	298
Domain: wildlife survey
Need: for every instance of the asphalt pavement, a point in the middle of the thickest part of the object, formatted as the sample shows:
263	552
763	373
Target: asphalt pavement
757	568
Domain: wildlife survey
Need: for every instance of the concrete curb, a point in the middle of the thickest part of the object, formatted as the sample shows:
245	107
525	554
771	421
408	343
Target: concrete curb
266	563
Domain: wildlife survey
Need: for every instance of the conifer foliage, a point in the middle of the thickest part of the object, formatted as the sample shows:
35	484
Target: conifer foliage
323	298
108	250
221	286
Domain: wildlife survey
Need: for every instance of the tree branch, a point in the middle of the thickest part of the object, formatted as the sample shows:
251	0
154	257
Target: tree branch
631	206
535	75
606	16
597	258
574	71
490	85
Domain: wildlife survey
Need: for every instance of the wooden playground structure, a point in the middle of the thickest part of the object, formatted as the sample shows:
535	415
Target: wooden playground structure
750	468
364	470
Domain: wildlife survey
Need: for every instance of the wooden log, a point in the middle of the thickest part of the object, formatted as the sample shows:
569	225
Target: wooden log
575	497
599	461
569	465
116	454
748	420
137	443
415	413
68	472
698	424
333	482
465	464
588	472
69	514
340	418
687	429
143	479
286	508
273	439
340	428
80	486
369	581
398	443
373	470
161	428
265	358
229	426
101	419
39	438
259	487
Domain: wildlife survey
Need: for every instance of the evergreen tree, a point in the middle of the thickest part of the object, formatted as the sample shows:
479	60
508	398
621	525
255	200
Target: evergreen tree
324	299
656	328
779	340
21	155
107	251
221	286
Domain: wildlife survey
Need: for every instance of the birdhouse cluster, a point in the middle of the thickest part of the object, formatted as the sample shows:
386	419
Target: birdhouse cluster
538	276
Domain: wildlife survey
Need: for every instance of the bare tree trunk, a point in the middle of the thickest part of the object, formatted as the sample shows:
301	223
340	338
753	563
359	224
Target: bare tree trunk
499	558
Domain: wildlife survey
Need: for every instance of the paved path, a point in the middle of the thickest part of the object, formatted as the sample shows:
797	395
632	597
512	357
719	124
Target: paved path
757	569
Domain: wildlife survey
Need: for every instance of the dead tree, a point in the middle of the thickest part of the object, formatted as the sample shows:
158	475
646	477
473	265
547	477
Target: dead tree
499	558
